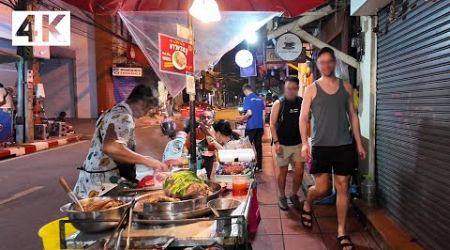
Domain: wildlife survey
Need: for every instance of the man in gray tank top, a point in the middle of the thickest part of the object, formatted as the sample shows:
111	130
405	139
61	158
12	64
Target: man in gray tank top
330	103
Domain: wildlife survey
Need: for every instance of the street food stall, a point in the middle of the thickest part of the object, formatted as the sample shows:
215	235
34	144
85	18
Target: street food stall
177	210
186	208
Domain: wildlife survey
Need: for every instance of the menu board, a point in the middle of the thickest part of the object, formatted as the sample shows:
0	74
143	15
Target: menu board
175	56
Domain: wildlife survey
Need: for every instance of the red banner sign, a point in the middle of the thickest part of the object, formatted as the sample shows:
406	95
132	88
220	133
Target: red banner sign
175	56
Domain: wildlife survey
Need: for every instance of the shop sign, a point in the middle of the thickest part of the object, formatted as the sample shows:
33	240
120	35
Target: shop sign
175	56
127	71
289	47
272	57
190	85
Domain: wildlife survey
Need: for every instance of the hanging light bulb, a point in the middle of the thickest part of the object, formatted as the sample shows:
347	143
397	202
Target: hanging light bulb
243	58
205	10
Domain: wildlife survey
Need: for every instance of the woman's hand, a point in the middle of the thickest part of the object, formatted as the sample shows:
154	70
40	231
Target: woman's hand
210	139
155	164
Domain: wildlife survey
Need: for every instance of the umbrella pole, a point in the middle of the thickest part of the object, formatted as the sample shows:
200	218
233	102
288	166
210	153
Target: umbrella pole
193	153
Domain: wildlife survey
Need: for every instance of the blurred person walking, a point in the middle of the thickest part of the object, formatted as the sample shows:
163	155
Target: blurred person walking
330	101
254	109
286	141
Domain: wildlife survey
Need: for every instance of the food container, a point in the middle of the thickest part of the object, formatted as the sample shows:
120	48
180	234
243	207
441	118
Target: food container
228	178
240	155
182	209
90	222
240	185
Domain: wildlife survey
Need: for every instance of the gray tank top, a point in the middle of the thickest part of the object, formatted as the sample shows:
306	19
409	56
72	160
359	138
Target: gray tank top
330	122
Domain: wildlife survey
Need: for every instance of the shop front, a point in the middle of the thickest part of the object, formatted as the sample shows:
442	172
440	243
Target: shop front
413	118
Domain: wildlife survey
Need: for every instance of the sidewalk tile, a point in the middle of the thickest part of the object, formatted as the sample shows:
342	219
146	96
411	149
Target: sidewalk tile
269	226
303	242
267	198
293	226
268	242
362	241
269	211
329	224
292	213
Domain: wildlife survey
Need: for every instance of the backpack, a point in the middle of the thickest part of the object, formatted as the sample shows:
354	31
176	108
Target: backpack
281	113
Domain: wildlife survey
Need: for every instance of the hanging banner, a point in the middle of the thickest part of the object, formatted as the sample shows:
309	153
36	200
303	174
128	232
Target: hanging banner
175	56
249	71
127	71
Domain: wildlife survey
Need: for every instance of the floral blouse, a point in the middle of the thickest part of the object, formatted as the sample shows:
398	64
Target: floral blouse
98	168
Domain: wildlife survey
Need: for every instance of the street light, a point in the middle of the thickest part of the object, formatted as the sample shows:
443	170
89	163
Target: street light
205	10
252	38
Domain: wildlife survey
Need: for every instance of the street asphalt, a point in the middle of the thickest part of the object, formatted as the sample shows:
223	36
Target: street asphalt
30	195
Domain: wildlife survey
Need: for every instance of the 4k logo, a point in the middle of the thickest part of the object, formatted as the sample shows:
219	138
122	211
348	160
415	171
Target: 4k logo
40	28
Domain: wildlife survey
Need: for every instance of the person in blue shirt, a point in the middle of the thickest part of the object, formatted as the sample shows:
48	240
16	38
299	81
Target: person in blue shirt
254	109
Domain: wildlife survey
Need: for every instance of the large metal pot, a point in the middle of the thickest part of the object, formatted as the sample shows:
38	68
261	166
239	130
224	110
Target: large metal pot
183	209
91	222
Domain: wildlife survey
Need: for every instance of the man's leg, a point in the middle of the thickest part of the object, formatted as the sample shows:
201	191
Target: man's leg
296	184
319	189
341	202
298	177
258	146
281	179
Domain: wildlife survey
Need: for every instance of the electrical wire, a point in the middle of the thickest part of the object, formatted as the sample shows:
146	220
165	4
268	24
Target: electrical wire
6	4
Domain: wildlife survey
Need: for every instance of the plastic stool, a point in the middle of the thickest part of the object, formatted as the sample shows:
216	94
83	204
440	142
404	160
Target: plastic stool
49	234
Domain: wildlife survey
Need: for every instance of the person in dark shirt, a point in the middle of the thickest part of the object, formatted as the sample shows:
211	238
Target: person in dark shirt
254	109
286	141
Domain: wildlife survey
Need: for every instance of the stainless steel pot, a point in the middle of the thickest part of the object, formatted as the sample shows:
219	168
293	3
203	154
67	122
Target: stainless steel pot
95	221
183	209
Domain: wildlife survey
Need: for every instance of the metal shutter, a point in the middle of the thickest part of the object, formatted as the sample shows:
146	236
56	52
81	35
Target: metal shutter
413	119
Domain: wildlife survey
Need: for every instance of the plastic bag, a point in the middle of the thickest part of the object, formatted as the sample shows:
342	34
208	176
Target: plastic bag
212	40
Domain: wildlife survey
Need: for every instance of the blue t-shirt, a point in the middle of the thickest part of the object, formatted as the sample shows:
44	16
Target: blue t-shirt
254	103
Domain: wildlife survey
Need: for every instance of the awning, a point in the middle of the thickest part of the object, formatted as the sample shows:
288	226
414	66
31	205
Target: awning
111	7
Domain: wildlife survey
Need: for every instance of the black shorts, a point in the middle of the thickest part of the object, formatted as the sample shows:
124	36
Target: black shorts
342	159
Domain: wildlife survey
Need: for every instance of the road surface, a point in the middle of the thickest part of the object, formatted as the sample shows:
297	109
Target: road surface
30	195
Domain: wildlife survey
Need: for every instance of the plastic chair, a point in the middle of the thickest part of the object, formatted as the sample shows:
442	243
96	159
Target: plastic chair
49	234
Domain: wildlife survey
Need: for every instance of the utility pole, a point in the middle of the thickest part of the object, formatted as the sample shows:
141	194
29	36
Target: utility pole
24	117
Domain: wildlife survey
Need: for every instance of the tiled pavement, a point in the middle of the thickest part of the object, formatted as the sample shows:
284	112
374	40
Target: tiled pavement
280	230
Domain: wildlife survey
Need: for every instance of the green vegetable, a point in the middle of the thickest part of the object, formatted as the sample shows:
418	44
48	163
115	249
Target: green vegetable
179	182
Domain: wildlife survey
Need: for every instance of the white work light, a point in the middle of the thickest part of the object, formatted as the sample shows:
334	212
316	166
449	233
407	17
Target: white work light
205	10
243	58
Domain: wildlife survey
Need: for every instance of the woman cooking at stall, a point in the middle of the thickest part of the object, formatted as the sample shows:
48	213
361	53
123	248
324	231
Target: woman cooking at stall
224	138
111	154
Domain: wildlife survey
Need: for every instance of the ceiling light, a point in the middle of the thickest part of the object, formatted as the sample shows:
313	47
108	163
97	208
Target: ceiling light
205	10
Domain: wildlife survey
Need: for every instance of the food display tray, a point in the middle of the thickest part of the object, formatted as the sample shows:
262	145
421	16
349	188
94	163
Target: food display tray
228	179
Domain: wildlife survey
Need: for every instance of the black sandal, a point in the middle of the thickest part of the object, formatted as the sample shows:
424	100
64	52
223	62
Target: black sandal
306	222
345	244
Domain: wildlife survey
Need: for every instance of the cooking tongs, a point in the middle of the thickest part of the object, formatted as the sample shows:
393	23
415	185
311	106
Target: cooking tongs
126	222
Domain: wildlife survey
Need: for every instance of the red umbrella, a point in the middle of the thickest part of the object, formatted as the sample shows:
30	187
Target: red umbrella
111	7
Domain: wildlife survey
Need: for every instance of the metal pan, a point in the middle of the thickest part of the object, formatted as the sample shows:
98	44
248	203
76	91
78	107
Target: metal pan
184	209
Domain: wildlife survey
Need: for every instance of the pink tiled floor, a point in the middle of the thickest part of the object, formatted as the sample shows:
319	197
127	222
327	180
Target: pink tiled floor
280	230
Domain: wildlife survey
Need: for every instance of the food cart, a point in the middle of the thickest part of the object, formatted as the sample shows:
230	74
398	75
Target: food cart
216	221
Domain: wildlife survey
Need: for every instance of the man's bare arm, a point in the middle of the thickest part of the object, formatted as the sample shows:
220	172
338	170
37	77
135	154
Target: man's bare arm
353	116
305	113
274	113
